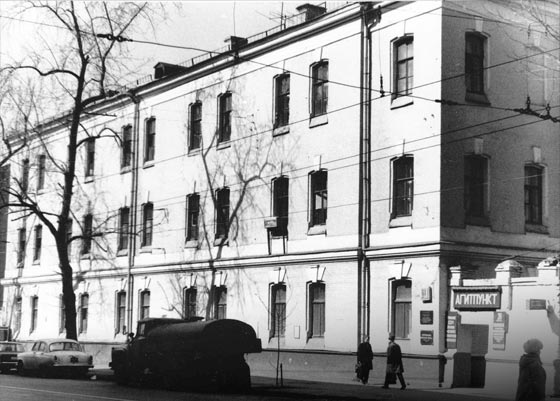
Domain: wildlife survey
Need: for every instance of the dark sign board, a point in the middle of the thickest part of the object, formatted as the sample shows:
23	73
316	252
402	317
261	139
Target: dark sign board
537	304
501	320
477	299
451	330
426	317
427	337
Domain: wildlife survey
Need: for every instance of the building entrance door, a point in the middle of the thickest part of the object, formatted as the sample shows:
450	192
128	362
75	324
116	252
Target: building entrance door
469	362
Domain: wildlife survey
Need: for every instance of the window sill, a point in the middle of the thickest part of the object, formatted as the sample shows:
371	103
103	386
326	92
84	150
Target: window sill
41	191
146	249
403	221
36	262
221	242
148	164
316	121
85	256
194	152
224	145
126	169
191	244
317	230
477	221
536	228
122	252
281	130
479	98
401	101
89	178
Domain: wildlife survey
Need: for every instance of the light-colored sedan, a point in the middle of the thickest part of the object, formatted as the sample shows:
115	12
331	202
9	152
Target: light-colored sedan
55	356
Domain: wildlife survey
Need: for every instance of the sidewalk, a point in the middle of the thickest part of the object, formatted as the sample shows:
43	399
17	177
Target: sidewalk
320	384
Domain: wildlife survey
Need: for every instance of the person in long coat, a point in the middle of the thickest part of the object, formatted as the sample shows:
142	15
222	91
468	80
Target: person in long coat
394	364
365	360
532	376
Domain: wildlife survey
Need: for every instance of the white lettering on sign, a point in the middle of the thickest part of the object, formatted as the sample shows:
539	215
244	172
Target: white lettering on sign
477	299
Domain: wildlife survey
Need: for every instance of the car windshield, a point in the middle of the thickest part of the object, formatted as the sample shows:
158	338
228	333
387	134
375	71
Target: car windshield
65	346
11	348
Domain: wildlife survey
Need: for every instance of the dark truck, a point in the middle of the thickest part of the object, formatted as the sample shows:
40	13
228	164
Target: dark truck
183	353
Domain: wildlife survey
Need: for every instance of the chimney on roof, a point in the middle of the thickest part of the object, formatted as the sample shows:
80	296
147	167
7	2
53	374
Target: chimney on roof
236	42
311	11
165	69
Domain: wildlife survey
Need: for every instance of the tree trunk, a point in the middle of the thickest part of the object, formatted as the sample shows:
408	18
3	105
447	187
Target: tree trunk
69	299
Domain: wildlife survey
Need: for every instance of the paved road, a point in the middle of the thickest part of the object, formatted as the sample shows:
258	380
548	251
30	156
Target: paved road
16	388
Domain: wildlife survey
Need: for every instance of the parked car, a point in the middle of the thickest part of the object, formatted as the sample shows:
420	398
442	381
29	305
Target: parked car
55	356
8	355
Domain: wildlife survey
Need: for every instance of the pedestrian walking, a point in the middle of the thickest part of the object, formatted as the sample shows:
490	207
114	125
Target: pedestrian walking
394	364
532	376
365	360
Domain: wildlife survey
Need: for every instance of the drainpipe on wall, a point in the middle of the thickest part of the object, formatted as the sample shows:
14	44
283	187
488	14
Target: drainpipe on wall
368	13
133	206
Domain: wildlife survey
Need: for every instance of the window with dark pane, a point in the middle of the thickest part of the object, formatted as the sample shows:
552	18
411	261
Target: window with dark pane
280	205
533	194
318	198
193	212
278	310
474	62
195	126
222	213
189	302
124	217
224	126
147	224
126	156
282	112
150	146
403	186
401	303
317	309
403	70
475	185
319	88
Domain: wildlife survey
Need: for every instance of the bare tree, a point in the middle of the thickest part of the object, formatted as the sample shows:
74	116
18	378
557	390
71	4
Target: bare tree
81	68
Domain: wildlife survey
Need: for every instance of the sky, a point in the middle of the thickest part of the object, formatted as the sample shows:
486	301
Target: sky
203	25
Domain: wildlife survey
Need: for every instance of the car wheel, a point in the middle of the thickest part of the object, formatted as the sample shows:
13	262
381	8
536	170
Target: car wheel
43	372
21	369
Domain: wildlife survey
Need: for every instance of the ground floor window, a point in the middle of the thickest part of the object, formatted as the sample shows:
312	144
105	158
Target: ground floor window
144	304
34	313
401	308
277	310
220	302
120	312
189	302
316	310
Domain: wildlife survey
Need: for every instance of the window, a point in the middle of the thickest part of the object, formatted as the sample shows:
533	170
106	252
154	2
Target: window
62	316
403	186
401	308
24	176
87	234
220	302
193	211
474	62
222	213
83	314
278	310
22	235
147	224
282	101
403	67
17	314
90	157
476	183
189	302
319	88
126	155
69	237
34	312
150	148
38	242
318	198
41	172
195	133
280	200
533	194
224	125
144	304
120	312
316	310
124	215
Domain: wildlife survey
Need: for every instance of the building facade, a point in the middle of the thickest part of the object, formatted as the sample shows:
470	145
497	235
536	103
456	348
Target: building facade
350	174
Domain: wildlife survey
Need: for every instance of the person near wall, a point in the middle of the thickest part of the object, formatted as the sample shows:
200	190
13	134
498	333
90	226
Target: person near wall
394	364
532	376
365	361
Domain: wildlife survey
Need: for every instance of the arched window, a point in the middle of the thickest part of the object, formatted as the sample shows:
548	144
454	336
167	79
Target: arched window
401	303
277	310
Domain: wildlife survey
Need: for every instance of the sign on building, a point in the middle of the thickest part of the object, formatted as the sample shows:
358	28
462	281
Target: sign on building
477	298
451	330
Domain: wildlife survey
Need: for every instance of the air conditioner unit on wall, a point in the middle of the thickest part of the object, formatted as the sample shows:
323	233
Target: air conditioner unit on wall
270	222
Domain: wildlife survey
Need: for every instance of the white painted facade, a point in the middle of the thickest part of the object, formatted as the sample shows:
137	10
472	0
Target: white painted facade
420	247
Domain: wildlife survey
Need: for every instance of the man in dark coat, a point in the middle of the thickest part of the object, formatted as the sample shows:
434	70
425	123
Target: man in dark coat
365	358
532	376
394	364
